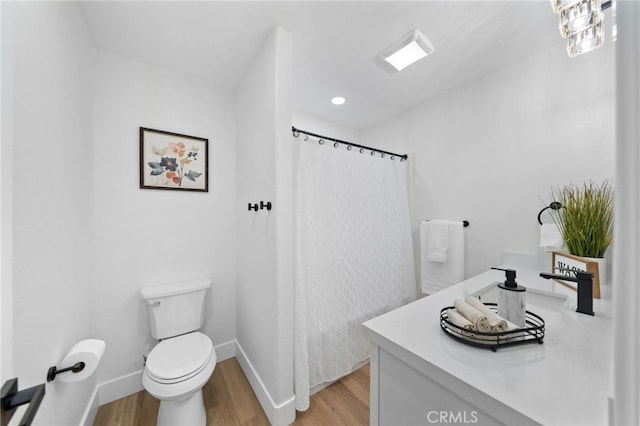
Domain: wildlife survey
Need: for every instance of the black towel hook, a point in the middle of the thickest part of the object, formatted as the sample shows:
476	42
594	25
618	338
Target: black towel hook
266	205
263	205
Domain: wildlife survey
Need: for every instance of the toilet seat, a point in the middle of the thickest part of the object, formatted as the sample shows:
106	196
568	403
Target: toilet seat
179	358
182	389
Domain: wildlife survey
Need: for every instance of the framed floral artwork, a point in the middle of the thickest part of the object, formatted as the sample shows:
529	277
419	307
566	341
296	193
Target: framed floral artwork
173	161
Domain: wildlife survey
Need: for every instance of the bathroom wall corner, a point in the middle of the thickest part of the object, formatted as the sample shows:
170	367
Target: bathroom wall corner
91	411
157	225
264	313
278	414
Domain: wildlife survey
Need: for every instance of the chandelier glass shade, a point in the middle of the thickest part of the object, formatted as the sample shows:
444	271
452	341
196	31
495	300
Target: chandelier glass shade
581	23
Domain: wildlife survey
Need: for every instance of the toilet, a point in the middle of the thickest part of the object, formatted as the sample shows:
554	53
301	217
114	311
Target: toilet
182	362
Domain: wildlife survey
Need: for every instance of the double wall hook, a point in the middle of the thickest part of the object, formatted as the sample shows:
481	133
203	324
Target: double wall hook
261	206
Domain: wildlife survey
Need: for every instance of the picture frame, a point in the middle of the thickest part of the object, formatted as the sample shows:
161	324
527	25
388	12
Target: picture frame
173	161
561	260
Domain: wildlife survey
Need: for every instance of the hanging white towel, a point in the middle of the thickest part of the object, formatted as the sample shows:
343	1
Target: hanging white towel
550	237
436	276
438	240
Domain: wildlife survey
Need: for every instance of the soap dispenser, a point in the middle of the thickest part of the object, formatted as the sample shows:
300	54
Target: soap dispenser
512	299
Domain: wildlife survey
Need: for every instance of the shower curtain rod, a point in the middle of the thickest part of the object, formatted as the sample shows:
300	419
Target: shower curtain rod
296	132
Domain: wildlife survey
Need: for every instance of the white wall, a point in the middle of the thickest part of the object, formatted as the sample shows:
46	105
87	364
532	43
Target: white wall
6	193
490	151
323	127
85	237
264	271
145	237
51	63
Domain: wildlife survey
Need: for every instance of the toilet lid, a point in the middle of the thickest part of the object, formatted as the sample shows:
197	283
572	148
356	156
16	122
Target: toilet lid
179	356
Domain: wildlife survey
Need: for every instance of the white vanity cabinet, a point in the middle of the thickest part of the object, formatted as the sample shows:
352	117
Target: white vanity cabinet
422	376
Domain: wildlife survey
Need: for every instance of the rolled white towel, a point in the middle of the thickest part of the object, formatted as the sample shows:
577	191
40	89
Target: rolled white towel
498	324
505	334
550	237
476	317
458	319
517	333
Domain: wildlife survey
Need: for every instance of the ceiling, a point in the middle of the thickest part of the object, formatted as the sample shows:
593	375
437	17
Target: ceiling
335	45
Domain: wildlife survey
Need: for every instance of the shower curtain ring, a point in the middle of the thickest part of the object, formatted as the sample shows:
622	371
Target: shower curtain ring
306	137
335	144
361	150
349	148
321	141
296	133
382	155
373	153
393	158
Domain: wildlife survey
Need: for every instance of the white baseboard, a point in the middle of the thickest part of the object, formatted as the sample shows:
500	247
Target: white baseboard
107	392
226	350
278	414
89	415
119	387
126	385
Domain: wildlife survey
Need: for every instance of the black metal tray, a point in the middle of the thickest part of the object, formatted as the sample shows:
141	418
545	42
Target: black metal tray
532	333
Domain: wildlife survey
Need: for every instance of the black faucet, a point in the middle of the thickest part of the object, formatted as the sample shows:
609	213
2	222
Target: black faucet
585	288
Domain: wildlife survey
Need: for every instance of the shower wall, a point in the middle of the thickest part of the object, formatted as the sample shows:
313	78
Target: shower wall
491	150
264	325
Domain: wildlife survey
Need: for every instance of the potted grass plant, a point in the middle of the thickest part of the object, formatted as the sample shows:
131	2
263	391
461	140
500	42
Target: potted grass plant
586	220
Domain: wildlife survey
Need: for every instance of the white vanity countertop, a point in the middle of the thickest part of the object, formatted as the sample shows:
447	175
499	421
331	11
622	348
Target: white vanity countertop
567	380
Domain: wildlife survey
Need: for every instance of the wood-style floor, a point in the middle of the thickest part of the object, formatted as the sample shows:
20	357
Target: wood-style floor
229	400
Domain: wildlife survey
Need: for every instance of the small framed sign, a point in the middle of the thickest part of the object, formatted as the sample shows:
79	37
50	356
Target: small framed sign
560	261
173	161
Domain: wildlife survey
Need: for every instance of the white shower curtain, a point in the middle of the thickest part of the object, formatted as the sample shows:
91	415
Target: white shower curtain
354	256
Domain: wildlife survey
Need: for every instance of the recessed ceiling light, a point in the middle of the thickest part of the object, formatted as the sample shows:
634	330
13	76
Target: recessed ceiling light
338	100
411	48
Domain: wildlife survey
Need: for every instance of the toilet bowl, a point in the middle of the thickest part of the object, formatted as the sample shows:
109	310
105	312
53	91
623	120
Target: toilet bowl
182	362
175	372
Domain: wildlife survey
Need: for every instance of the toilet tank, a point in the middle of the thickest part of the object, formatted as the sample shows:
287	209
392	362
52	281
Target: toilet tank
176	308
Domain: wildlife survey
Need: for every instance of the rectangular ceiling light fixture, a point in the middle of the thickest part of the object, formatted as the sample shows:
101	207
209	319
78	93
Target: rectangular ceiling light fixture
411	48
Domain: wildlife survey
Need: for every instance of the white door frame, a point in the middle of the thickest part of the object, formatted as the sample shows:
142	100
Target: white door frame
626	264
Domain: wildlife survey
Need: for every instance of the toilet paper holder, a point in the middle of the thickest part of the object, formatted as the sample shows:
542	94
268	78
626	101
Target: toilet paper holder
82	360
53	371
